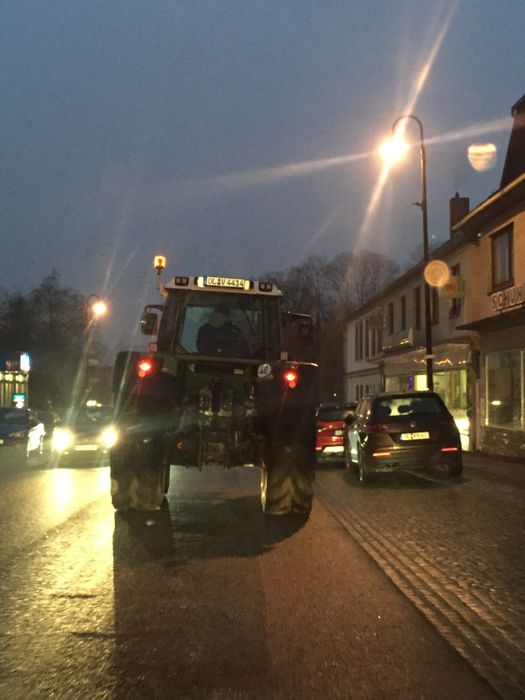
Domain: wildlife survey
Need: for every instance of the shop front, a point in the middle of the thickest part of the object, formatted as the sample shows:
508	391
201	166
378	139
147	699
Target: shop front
502	396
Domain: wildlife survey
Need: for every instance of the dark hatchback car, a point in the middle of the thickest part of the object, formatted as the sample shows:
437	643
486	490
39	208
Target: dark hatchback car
331	430
411	430
87	436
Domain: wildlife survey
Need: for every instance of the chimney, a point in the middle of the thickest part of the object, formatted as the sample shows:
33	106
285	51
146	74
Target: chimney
459	207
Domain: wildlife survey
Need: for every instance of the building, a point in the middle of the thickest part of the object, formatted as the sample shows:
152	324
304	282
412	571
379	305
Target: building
477	319
498	223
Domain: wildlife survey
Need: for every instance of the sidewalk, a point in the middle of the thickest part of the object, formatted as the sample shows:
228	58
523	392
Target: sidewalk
505	470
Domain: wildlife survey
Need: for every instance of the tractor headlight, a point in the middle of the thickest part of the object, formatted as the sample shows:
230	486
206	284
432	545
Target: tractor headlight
62	439
109	437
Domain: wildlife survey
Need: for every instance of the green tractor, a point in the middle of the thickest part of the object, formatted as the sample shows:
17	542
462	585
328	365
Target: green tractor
223	383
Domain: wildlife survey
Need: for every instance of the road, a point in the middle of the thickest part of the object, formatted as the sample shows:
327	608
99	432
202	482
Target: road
409	588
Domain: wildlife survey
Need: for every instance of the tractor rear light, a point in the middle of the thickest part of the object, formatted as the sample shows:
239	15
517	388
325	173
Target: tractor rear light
146	366
291	378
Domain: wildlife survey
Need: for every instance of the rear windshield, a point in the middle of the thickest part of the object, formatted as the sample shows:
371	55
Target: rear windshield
399	406
334	414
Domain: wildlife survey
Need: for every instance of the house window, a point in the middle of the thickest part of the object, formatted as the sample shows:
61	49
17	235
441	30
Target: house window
403	323
356	341
455	304
390	318
434	305
502	258
367	338
417	308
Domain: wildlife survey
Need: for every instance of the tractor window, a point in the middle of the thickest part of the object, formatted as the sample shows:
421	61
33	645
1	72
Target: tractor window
230	325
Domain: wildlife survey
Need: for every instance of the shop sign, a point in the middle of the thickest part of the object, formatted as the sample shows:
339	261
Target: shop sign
454	288
513	296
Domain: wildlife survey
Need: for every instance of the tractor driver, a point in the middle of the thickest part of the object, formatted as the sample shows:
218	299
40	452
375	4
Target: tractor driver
219	336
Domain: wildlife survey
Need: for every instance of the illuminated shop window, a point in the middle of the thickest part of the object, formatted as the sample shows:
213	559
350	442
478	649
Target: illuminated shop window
505	390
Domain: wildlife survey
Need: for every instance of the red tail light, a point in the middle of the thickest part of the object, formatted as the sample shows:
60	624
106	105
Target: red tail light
450	449
291	377
375	427
146	366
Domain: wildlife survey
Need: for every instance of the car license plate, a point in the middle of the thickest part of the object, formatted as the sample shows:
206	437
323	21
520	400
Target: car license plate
415	436
85	448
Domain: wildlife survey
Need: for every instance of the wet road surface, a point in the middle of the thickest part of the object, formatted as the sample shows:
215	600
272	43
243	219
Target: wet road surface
209	599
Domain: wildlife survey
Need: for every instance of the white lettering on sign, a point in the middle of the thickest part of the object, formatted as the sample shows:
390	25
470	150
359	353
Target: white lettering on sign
513	296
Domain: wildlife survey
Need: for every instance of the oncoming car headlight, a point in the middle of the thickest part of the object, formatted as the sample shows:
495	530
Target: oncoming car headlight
62	439
109	436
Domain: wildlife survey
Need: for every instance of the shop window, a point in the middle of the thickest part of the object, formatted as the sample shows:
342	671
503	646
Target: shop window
417	308
502	274
403	323
504	382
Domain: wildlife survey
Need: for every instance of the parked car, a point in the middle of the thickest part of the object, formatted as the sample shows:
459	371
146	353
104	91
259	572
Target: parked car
87	434
20	427
411	430
331	430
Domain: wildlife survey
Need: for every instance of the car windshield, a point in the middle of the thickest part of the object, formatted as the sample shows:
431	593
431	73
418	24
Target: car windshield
93	416
408	405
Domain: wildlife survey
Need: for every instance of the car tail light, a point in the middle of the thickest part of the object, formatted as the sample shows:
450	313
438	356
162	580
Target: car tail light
375	427
386	453
291	377
450	449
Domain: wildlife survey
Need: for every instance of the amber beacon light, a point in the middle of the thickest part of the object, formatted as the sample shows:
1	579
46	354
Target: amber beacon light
159	263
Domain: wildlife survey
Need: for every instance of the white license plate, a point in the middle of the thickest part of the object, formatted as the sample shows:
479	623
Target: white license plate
415	436
85	448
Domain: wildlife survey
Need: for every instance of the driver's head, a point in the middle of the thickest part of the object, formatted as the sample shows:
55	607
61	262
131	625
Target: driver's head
220	315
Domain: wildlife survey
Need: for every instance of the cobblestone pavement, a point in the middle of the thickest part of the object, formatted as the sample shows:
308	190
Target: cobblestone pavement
457	552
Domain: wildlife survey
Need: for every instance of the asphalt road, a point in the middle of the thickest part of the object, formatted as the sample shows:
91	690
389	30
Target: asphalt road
210	599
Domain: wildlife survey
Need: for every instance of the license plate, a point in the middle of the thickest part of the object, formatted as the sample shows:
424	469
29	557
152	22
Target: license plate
227	282
85	448
415	436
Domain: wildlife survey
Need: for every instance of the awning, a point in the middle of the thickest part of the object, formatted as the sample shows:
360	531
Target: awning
505	319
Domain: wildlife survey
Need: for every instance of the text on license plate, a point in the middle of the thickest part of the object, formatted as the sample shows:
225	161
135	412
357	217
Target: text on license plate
415	436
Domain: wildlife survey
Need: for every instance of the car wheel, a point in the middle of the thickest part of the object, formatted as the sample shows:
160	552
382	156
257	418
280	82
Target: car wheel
455	470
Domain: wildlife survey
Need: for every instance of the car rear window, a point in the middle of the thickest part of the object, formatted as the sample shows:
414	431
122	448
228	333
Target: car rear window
401	406
333	414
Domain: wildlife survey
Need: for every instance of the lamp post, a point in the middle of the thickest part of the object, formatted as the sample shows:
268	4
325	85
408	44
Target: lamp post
394	150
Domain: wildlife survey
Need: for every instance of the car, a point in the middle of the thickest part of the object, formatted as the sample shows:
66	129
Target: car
87	434
330	430
402	430
20	427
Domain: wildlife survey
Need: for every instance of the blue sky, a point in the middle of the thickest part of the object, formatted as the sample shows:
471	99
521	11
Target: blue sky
122	119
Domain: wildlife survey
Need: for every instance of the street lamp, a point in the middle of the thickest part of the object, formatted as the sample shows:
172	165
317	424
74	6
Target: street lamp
96	308
392	150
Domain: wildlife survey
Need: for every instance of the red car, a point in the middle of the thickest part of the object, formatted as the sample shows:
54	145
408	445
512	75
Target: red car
330	430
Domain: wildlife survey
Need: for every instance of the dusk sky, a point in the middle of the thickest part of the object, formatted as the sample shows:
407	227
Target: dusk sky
170	126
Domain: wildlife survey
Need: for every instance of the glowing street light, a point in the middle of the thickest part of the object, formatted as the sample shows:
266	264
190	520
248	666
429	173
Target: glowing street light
392	151
97	308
